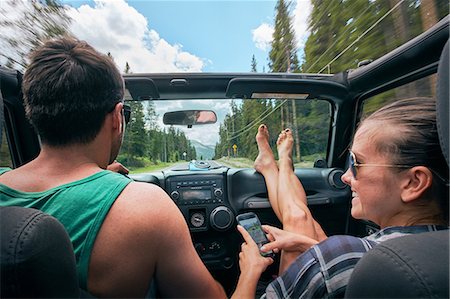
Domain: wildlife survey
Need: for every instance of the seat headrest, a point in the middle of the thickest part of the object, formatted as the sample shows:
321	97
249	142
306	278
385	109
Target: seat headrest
442	101
37	258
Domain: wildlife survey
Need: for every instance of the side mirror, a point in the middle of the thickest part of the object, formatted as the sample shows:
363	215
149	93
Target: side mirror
190	117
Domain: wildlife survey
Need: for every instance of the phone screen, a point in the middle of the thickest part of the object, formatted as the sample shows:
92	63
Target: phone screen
252	224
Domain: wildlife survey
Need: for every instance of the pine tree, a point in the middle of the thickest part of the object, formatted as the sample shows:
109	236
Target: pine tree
283	58
26	24
127	67
254	64
283	54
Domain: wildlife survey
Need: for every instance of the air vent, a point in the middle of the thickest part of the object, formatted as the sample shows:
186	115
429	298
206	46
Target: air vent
334	178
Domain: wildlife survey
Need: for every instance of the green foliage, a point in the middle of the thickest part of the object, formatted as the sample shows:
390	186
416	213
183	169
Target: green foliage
345	32
254	64
31	23
5	155
144	142
283	55
240	127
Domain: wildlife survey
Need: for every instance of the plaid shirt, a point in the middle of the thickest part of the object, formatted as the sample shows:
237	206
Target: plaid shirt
324	270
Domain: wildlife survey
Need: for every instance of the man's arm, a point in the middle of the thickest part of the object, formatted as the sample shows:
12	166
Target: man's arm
145	237
117	167
179	270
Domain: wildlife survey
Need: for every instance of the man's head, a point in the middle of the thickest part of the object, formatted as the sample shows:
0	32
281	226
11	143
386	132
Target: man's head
68	89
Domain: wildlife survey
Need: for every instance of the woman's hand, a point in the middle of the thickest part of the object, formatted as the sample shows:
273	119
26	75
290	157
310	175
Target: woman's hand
252	265
250	258
287	241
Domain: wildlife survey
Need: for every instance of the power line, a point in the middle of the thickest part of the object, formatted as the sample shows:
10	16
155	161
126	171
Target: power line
362	35
259	119
332	45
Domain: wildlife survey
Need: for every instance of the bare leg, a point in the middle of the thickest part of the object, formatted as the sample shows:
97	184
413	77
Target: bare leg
293	195
292	202
289	202
266	165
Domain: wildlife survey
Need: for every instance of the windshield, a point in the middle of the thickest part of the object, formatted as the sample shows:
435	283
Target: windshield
149	145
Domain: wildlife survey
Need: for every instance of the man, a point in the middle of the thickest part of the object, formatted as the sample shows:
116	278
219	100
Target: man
127	236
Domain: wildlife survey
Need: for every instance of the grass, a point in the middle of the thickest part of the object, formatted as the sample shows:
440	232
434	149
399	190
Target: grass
230	162
236	162
247	163
151	167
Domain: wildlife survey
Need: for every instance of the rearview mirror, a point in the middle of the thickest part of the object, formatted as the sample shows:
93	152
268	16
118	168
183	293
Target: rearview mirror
190	117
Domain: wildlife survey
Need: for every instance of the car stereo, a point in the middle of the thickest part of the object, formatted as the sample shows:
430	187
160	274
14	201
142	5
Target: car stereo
202	200
201	190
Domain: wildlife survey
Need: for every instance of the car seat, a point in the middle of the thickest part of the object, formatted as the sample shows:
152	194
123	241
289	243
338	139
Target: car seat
415	266
36	254
37	259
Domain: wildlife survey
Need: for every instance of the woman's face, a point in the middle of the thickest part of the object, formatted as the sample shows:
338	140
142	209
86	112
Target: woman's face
375	189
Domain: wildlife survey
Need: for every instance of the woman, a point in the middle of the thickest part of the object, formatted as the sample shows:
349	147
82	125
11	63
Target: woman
398	178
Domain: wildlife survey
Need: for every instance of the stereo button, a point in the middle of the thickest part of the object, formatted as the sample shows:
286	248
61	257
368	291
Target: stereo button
218	192
175	195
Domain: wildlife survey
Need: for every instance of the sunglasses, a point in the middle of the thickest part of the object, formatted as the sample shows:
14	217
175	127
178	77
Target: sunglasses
127	113
353	164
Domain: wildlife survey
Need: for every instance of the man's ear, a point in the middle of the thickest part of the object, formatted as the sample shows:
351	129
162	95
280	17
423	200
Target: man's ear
118	117
416	182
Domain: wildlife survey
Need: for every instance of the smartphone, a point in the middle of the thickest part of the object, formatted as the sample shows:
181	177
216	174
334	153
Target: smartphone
252	225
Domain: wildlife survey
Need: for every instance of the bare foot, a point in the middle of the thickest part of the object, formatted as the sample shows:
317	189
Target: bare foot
285	143
265	160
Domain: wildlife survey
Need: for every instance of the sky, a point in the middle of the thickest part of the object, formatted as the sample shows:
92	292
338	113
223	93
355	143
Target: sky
177	36
192	36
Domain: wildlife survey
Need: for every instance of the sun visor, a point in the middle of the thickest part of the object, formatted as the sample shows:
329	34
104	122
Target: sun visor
280	88
140	88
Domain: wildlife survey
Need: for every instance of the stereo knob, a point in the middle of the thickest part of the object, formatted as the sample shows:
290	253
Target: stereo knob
175	195
218	192
221	218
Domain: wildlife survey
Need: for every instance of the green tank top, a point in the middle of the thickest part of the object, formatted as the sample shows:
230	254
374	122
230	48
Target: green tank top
81	206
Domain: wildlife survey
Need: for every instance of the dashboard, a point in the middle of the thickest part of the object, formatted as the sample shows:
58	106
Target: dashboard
210	199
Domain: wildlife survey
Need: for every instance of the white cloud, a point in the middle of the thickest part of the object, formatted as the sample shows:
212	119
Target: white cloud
301	14
19	32
262	36
118	28
205	134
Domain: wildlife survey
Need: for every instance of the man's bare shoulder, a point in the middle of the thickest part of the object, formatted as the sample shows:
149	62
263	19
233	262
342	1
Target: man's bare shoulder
138	223
146	202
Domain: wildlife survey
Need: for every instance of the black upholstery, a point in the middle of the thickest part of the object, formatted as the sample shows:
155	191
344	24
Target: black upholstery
442	96
37	259
1	116
415	266
23	140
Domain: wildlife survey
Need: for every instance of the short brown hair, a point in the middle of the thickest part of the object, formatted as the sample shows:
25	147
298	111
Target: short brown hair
68	88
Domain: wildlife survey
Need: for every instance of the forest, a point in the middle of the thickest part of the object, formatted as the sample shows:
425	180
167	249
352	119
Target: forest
343	33
145	142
